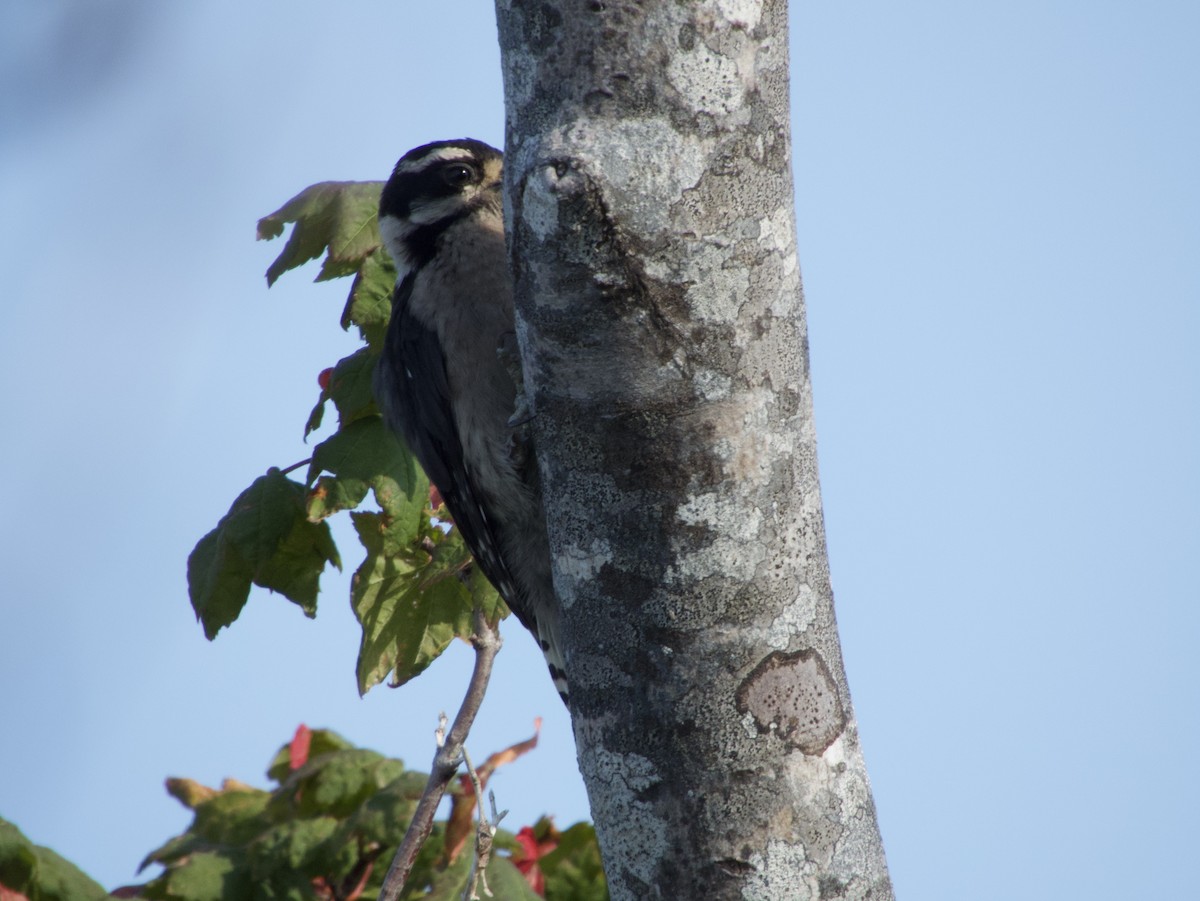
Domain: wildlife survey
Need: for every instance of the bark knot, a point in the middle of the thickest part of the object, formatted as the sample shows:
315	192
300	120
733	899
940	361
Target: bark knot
795	697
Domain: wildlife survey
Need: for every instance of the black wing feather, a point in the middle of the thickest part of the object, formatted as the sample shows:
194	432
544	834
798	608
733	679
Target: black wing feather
418	406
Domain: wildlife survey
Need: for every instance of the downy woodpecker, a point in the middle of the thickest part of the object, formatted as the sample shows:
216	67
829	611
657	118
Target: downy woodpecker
440	381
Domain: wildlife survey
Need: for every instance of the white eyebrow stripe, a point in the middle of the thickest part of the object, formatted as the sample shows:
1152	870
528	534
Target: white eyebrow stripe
441	155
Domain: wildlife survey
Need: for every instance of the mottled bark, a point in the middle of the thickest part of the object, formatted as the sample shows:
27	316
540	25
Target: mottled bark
661	326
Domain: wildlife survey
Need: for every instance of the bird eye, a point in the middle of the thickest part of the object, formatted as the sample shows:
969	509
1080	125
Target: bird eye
458	174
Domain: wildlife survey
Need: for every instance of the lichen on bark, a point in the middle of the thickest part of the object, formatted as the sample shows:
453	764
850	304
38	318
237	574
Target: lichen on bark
661	328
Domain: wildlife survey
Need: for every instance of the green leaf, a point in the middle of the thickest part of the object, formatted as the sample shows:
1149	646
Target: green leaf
297	848
39	873
407	620
363	456
573	869
487	598
321	741
430	861
503	878
18	858
383	818
294	570
334	820
350	778
264	539
204	876
232	817
316	416
219	580
507	883
349	389
174	848
448	883
337	783
339	218
369	305
331	495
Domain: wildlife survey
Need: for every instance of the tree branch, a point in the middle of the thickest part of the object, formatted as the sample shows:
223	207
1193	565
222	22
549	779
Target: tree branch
486	640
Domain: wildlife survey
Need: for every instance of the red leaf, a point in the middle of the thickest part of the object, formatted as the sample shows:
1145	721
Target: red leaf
526	859
298	749
323	378
511	753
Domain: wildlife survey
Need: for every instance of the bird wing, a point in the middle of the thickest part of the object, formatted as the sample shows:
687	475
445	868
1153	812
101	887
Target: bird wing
419	395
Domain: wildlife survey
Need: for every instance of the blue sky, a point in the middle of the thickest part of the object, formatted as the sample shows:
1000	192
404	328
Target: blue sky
999	223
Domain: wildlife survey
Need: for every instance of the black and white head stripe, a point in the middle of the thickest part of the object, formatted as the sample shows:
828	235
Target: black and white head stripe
431	188
442	386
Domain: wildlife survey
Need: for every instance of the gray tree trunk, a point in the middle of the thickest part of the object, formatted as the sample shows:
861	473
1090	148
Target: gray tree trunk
662	331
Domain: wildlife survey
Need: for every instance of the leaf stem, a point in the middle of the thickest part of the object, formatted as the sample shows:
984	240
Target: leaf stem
295	466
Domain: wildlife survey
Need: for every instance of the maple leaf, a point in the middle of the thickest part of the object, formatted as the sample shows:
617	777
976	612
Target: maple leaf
189	792
532	849
298	749
511	753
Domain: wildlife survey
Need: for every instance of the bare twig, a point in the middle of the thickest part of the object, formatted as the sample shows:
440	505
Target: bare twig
460	824
439	734
485	834
486	639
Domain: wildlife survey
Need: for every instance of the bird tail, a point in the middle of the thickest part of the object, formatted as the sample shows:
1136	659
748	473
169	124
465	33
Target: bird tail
549	638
